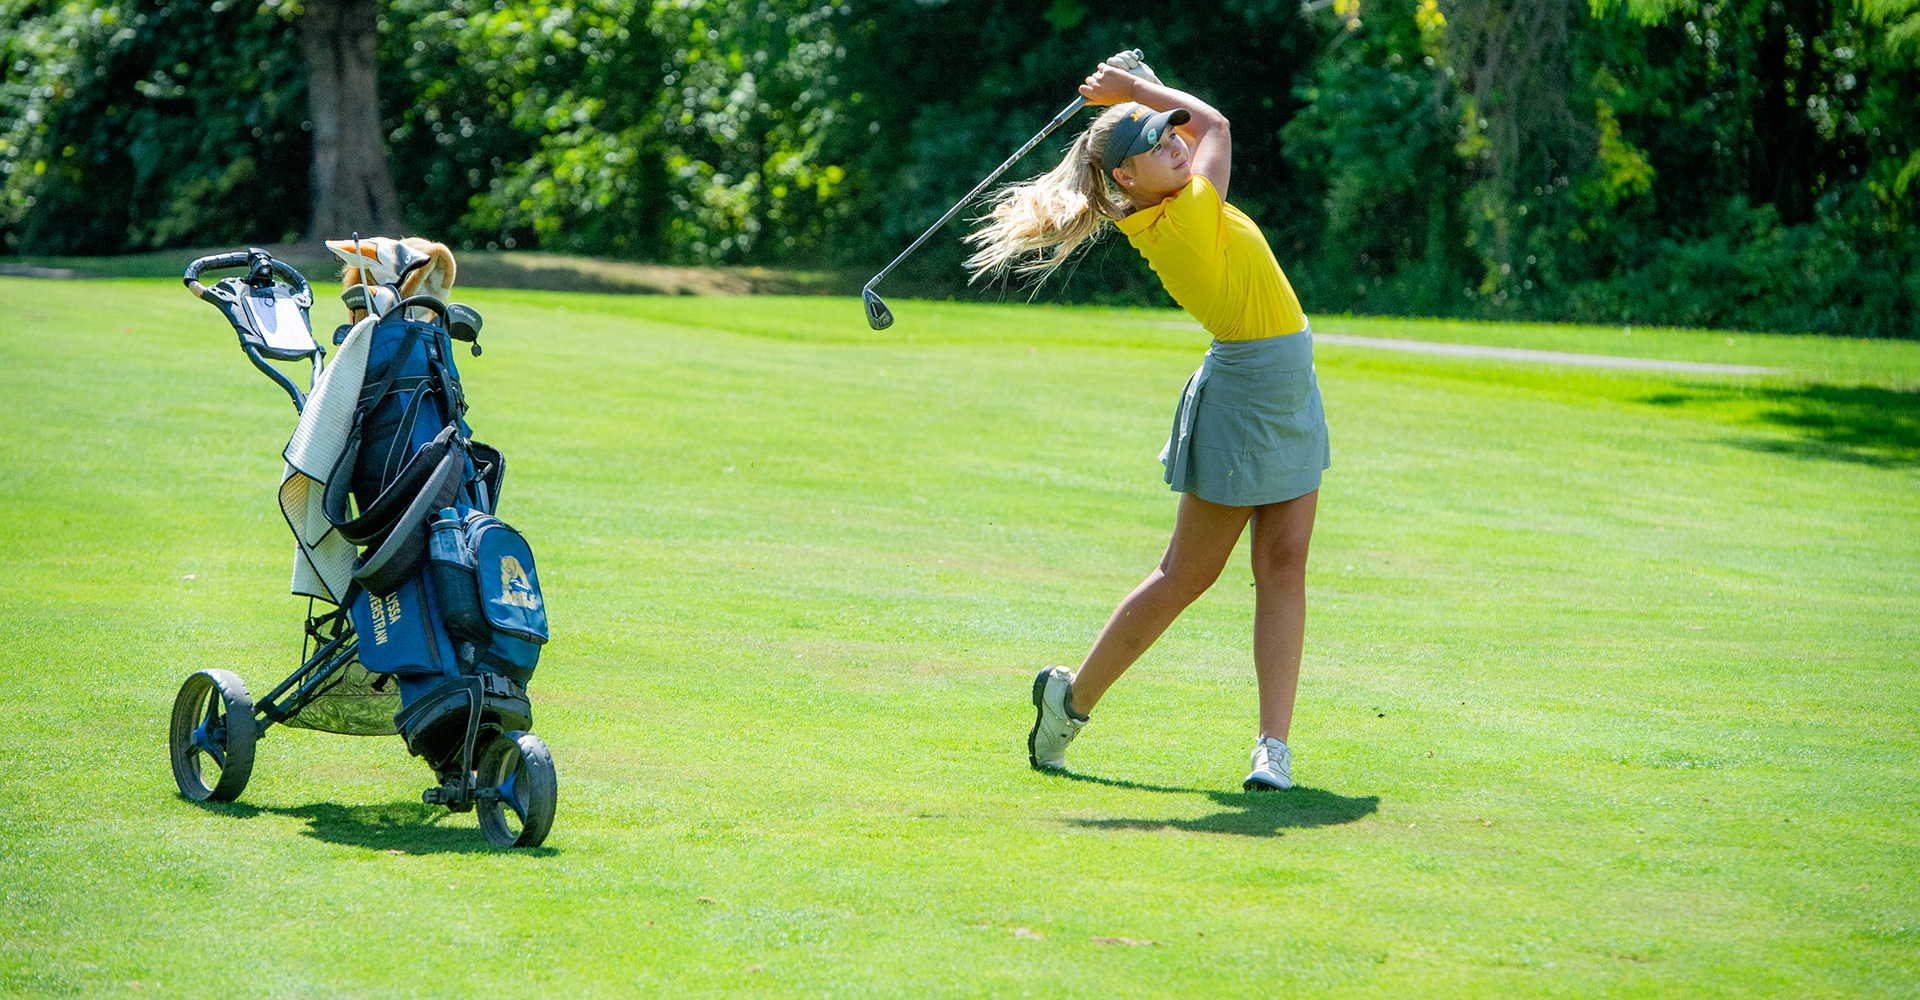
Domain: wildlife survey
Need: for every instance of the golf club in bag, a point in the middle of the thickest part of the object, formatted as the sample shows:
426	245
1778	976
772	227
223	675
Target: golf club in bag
879	316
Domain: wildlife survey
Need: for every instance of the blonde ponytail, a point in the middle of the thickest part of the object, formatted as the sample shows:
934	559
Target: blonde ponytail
1060	210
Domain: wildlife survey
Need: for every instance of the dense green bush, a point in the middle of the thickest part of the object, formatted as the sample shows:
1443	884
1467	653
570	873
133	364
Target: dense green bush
1732	164
679	131
134	125
1746	163
519	125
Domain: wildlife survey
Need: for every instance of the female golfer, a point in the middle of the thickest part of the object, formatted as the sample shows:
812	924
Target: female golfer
1249	438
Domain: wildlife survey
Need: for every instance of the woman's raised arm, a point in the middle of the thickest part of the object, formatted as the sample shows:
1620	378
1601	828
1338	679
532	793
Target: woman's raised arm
1206	130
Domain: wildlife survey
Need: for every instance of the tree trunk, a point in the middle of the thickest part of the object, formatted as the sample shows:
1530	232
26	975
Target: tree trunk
1787	154
352	187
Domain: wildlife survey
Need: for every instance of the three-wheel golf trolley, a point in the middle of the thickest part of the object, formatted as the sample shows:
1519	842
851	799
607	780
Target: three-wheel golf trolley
432	625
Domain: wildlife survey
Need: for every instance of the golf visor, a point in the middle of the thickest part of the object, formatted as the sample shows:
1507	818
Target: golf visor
1138	132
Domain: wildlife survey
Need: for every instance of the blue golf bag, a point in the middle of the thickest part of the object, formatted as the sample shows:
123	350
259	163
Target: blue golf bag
448	599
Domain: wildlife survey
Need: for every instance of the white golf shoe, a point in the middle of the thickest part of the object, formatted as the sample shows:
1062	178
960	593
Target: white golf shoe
1055	723
1272	767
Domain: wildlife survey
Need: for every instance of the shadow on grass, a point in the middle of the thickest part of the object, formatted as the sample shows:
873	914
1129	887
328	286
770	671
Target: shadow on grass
1862	425
397	827
1248	814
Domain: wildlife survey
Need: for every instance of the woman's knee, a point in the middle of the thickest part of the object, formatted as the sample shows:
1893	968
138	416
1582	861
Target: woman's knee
1186	582
1281	560
1282	534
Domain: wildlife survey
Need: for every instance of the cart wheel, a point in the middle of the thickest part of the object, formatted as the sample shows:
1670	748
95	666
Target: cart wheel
519	771
211	739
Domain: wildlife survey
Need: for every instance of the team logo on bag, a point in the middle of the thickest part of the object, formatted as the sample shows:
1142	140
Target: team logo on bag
514	588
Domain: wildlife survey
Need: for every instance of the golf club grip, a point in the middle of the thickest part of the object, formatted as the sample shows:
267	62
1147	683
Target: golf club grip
1058	120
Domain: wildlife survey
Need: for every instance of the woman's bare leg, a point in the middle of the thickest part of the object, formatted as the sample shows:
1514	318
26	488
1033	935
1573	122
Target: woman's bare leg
1204	534
1281	533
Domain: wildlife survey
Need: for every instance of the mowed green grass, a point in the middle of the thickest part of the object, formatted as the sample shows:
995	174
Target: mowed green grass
1610	683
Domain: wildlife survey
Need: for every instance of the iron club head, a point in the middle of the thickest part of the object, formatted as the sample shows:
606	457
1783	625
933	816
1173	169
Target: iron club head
878	315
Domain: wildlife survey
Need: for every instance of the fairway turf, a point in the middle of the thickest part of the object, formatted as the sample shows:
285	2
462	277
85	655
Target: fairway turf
1610	681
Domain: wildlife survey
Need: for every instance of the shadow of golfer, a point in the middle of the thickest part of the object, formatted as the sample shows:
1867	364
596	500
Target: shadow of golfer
393	827
1248	814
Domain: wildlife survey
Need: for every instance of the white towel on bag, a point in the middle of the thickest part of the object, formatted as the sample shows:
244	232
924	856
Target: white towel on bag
322	560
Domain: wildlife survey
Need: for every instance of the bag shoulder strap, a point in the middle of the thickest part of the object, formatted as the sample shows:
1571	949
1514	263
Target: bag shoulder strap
340	478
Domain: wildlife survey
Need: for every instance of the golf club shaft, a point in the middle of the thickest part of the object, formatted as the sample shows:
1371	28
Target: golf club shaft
1078	103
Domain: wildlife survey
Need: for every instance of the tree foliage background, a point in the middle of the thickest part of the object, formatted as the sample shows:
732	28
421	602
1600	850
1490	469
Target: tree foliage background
1746	163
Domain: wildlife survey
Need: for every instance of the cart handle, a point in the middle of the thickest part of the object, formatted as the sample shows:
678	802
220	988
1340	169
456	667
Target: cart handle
263	265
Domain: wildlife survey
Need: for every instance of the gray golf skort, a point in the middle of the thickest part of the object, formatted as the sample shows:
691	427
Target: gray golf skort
1250	429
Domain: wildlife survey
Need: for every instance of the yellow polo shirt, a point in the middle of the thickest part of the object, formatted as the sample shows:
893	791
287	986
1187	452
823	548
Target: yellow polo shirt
1216	263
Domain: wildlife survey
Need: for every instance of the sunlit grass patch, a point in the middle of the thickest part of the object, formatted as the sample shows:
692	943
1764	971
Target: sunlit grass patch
1604	693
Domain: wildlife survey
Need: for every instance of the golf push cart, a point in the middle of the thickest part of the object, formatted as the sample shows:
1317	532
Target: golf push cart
424	615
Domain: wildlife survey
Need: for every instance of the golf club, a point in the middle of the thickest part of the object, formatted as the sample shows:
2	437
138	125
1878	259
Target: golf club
878	315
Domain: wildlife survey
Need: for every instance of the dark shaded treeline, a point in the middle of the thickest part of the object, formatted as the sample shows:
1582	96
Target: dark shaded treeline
1747	164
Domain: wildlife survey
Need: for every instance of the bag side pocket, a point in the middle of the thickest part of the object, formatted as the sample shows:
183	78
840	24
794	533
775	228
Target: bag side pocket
509	585
451	557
